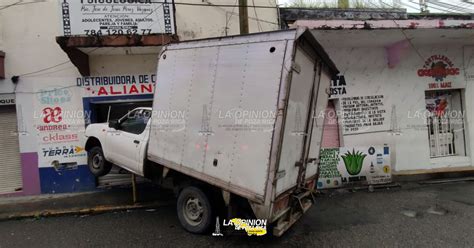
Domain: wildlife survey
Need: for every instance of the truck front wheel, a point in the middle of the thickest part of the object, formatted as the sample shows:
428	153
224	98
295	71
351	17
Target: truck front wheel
97	163
194	210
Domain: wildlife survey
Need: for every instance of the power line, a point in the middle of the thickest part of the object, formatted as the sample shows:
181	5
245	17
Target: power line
402	31
19	3
256	16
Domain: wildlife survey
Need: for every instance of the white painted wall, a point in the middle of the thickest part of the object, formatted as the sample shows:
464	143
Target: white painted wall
367	73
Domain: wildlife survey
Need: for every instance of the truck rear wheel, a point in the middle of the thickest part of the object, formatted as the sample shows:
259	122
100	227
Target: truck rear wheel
97	163
194	210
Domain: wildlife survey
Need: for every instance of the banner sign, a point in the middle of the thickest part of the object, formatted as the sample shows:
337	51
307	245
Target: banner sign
350	166
116	17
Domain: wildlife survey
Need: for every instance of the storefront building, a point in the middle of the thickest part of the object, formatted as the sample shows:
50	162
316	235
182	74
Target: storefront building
65	65
406	86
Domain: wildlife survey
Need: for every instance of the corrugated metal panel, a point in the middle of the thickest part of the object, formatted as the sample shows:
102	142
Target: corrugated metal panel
10	163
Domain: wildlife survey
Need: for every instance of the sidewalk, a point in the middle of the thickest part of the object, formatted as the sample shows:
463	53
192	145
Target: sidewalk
115	199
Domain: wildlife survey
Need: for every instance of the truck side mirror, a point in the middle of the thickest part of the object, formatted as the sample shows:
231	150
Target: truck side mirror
114	124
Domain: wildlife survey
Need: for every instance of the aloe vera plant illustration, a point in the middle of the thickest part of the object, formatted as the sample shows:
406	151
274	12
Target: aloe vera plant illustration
353	161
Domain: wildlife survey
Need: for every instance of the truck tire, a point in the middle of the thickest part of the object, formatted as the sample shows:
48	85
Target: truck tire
194	210
97	163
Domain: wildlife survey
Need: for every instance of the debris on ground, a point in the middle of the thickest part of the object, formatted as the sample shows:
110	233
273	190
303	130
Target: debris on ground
437	210
409	213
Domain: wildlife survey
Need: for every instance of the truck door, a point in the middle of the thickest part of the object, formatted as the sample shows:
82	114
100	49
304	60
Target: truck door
298	115
126	145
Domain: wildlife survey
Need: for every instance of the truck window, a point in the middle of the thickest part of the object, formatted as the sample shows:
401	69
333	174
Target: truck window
135	122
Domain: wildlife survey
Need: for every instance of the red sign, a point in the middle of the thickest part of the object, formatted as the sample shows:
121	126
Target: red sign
52	115
59	137
123	90
439	67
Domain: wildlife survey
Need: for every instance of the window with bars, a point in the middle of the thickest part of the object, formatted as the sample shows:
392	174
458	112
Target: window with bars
445	122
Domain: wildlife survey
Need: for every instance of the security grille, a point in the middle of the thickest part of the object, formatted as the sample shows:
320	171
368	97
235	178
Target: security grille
445	122
10	163
441	136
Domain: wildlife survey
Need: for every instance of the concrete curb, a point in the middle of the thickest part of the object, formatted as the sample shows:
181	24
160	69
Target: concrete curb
82	211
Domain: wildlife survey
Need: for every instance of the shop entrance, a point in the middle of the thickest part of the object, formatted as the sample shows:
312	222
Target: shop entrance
445	121
10	163
110	108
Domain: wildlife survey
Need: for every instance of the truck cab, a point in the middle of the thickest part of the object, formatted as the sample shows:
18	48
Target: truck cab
121	142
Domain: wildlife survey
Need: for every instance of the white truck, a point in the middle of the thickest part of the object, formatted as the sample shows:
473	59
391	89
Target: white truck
234	128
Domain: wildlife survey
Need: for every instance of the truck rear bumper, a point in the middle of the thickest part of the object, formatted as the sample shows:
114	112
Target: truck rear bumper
294	213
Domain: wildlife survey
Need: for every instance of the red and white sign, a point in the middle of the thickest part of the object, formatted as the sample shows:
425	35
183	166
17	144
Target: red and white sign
440	69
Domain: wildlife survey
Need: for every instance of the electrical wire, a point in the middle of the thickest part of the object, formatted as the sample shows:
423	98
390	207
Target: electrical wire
402	31
256	16
227	21
2	7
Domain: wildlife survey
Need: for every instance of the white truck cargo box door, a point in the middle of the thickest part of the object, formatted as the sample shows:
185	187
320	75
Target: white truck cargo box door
318	124
296	120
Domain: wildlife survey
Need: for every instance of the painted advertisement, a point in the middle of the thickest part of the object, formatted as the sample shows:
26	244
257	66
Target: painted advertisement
352	166
441	73
59	124
116	17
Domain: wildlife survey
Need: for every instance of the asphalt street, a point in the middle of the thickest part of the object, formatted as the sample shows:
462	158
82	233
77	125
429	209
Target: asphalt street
422	216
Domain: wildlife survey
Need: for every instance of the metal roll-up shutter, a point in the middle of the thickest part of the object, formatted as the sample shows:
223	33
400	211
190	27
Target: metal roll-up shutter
10	163
331	137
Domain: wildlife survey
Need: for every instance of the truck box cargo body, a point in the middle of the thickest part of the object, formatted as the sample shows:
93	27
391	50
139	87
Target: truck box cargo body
239	113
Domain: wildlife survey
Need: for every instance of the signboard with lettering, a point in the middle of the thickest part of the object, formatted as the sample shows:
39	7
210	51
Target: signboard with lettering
363	114
117	17
351	166
7	99
441	73
117	85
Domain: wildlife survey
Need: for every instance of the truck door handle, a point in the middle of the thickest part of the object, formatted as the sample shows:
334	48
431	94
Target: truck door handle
136	142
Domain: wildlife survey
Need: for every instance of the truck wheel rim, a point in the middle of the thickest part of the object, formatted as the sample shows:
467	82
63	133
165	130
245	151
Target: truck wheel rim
193	211
97	161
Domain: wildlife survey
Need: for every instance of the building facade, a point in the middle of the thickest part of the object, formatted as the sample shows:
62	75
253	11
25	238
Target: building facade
70	63
406	85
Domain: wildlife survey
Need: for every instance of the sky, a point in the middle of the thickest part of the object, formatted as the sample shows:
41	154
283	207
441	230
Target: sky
435	6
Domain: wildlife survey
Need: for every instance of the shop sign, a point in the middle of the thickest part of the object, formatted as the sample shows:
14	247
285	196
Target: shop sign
118	85
116	17
338	87
440	68
7	99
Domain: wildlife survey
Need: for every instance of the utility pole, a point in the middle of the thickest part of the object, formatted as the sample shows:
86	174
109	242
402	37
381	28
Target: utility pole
243	17
424	7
